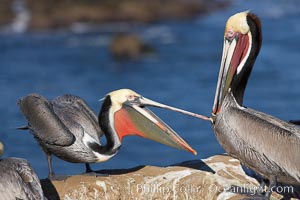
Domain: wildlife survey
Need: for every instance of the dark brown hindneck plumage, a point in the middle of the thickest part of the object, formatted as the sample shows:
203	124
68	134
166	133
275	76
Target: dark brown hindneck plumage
239	82
112	146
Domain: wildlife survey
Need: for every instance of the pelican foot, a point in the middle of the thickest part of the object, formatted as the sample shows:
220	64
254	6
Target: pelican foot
250	194
58	177
255	197
258	196
95	174
261	190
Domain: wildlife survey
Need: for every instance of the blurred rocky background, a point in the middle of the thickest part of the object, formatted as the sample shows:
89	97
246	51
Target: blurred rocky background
53	14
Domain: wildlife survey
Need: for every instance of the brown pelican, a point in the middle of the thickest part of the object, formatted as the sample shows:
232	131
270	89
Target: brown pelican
263	143
18	180
69	129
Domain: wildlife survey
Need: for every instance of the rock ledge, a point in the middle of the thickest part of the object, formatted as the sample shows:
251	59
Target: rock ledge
209	178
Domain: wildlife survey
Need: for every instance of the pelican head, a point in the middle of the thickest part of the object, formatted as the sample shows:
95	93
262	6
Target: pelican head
127	115
242	42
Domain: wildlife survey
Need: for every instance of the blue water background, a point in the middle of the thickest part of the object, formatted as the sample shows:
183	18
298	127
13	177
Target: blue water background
182	73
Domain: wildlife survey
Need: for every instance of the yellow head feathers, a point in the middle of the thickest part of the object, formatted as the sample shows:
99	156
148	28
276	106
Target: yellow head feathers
238	23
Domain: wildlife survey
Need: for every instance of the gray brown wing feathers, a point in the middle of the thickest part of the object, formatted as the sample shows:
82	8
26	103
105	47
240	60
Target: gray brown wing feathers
20	181
43	122
76	109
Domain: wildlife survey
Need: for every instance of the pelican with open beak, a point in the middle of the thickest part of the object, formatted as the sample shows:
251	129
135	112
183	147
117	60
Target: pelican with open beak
69	129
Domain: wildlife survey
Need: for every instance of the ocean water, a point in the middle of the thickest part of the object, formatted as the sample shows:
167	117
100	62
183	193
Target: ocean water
182	73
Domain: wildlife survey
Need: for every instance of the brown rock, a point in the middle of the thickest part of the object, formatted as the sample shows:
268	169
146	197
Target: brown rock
202	179
128	46
51	14
1	149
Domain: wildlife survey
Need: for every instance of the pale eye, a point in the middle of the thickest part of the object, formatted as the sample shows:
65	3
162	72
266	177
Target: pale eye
130	97
230	34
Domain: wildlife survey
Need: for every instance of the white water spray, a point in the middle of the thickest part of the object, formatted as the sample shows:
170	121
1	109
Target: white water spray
22	17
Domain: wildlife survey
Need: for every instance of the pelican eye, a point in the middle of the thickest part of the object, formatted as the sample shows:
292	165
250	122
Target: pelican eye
135	100
131	97
230	35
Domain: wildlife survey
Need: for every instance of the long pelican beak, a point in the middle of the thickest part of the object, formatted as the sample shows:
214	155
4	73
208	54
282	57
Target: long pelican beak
235	49
135	119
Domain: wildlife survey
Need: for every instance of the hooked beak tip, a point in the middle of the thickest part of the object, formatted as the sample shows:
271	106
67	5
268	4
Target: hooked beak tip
194	152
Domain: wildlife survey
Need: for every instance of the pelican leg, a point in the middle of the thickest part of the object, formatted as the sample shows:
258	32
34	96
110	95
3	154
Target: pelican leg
49	160
88	168
261	193
51	175
273	182
90	172
261	189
